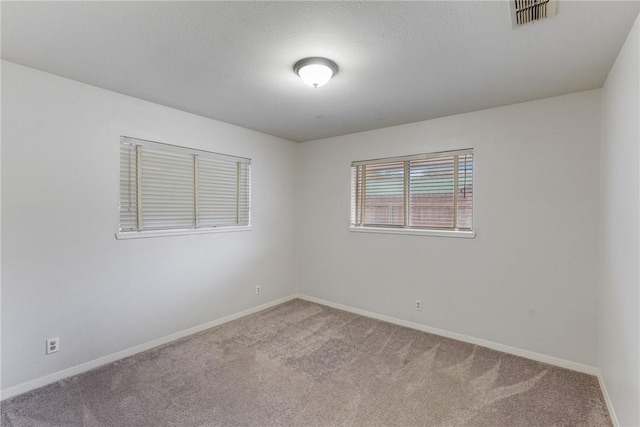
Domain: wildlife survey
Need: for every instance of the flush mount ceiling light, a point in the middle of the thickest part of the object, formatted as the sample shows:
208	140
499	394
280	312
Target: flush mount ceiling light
315	71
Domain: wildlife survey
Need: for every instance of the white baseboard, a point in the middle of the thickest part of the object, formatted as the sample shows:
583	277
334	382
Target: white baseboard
87	366
538	357
607	400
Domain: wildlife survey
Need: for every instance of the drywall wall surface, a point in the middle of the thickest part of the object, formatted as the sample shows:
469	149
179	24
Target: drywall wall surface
527	280
63	271
0	232
619	319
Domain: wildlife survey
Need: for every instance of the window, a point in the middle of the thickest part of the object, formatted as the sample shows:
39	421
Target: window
166	189
420	193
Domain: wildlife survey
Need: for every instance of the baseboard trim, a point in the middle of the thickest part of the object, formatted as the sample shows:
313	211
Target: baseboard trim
87	366
538	357
607	400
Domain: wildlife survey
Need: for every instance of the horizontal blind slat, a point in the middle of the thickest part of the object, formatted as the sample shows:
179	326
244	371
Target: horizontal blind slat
431	188
383	194
168	197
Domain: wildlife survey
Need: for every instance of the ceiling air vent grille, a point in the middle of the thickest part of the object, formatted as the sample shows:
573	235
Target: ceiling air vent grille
525	11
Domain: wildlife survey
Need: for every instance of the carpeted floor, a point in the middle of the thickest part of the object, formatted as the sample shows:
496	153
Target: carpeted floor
303	364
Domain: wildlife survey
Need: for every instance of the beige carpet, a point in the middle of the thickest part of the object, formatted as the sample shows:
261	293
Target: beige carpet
303	364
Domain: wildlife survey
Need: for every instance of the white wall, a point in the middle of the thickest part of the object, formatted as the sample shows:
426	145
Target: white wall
64	273
529	278
619	321
0	233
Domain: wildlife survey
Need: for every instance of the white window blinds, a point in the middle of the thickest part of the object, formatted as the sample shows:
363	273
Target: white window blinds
426	191
167	192
164	187
383	200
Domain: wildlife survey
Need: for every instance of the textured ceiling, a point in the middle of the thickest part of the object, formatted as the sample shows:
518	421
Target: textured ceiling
399	62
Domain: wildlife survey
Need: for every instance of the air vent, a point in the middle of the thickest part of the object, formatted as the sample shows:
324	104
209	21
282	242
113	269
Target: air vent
525	11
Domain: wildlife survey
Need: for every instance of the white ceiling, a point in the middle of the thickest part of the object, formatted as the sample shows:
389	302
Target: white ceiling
399	62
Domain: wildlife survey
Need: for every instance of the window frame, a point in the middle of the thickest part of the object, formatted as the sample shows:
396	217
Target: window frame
407	229
181	151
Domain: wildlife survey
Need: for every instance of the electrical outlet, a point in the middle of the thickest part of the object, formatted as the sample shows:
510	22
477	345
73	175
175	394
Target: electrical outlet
258	290
418	305
53	345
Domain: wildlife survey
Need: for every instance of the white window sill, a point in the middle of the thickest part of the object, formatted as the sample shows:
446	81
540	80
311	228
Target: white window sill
181	232
416	231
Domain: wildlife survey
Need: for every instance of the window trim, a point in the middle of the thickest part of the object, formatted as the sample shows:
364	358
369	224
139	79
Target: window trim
465	234
125	235
407	230
180	150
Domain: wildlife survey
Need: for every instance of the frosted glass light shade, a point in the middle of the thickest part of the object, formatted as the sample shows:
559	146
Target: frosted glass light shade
315	71
315	75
